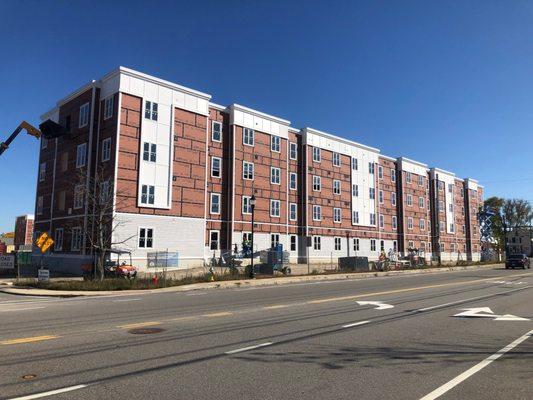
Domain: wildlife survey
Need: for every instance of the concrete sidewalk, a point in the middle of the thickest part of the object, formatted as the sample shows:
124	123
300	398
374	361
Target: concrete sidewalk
241	283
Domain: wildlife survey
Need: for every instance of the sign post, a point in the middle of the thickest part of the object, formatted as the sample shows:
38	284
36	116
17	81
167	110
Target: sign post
43	242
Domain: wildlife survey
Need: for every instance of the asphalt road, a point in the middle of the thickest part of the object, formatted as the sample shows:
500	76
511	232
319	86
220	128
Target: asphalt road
301	341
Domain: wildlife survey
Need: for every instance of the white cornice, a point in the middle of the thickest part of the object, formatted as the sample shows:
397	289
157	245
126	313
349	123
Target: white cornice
420	164
339	139
238	107
218	107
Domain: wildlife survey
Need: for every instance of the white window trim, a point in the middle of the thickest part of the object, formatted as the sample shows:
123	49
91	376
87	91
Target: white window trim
319	153
334	182
252	136
146	237
218	239
107	100
77	229
219	167
213	123
340	215
80	189
84	146
319	183
242	205
296	211
253	170
410	223
272	169
272	139
85	112
272	201
214	195
318	208
338	157
295	181
104	142
296	152
59	248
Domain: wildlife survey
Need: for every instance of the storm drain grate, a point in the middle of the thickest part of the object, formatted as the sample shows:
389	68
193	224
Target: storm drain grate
145	331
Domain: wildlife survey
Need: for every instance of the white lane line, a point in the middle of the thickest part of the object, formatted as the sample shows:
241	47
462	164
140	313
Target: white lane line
50	393
21	309
196	294
476	368
248	348
122	300
356	324
471	299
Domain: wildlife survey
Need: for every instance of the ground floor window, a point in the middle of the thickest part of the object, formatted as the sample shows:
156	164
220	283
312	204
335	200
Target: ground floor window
293	242
394	246
317	243
372	245
214	239
274	240
356	244
75	244
58	241
410	244
146	237
337	243
382	245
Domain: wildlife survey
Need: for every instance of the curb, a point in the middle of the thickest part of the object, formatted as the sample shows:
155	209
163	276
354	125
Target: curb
242	283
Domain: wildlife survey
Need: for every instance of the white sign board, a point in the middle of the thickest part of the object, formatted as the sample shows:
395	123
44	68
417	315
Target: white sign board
43	275
7	261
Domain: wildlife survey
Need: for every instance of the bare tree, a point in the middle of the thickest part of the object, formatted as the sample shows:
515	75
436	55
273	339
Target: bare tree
100	224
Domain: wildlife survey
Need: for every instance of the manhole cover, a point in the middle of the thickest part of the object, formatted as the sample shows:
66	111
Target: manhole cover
145	331
29	376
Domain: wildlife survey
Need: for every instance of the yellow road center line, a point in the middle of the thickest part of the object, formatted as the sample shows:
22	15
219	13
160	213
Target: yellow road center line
139	325
219	314
28	339
353	297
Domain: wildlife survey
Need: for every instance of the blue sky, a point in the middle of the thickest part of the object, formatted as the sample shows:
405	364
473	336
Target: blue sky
448	83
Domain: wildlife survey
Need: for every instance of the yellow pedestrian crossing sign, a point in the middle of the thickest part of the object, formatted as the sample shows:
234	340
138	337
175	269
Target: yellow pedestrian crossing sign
44	242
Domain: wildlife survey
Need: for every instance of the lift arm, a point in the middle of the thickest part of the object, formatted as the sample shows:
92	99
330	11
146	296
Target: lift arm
23	125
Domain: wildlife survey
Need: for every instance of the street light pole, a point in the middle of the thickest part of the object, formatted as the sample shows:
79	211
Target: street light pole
252	204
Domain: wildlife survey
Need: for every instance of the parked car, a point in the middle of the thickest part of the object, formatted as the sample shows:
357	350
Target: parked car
517	260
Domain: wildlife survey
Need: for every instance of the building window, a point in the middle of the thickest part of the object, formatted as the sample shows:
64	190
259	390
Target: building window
248	137
380	196
336	186
372	219
381	221
317	243
409	200
336	159
421	202
382	245
462	192
450	188
274	240
410	244
441	247
108	107
78	196
293	213
247	170
84	115
317	213
150	110
372	193
393	198
393	175
372	244
275	144
274	175
58	239
275	208
146	238
408	177
422	224
440	185
106	149
215	203
147	194
356	244
423	246
452	228
39	207
293	181
441	226
355	190
338	242
409	223
104	192
293	151
44	143
81	155
316	154
394	246
450	207
394	223
76	239
441	206
420	180
355	217
149	152
246	206
293	242
453	247
42	172
355	164
380	172
216	164
371	168
337	215
216	131
316	183
214	239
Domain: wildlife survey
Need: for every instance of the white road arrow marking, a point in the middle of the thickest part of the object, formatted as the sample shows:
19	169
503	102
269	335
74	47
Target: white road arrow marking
380	305
486	312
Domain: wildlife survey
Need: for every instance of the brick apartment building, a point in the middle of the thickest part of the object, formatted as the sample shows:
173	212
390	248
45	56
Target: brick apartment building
182	170
24	232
